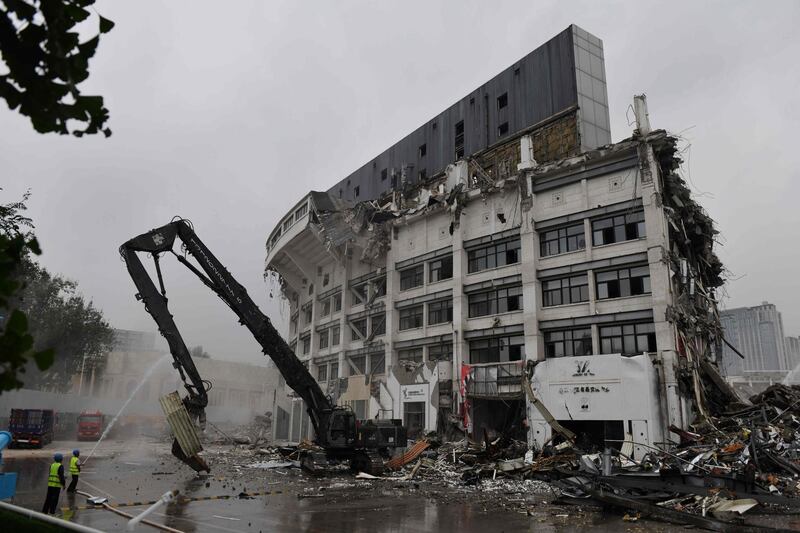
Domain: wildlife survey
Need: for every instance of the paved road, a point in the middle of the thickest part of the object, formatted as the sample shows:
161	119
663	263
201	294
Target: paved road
290	501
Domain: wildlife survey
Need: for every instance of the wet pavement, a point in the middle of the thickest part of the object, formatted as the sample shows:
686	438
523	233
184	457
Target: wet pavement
290	500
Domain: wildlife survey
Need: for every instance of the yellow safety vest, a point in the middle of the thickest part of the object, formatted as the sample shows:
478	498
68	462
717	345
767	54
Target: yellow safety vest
53	480
73	466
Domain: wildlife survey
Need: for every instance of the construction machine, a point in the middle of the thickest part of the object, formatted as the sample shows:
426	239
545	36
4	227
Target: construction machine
363	442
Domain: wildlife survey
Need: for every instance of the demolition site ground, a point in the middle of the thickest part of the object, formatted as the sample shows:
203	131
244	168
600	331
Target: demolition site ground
258	489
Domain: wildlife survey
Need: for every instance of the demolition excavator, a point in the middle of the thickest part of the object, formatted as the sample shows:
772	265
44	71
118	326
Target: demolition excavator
364	443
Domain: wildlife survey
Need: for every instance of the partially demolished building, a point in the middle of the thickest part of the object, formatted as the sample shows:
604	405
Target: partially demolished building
544	277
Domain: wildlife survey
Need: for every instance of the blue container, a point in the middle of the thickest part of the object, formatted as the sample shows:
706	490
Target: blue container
8	485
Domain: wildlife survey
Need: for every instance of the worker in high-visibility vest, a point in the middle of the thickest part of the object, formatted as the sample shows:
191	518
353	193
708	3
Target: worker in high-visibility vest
55	484
74	470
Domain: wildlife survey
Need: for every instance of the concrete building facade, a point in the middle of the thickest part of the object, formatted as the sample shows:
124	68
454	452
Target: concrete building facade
435	312
535	259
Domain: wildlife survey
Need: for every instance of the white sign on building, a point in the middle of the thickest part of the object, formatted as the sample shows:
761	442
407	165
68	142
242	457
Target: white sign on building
414	393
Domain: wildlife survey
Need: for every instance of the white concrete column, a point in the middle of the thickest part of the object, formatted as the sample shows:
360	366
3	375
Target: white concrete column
531	302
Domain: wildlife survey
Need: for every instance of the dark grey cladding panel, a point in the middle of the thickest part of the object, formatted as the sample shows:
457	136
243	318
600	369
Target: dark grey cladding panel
538	86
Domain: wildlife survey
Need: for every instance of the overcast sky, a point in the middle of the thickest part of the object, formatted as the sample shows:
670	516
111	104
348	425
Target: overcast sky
226	113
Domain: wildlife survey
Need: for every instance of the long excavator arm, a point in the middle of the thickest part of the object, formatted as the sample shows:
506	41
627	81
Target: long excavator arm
216	277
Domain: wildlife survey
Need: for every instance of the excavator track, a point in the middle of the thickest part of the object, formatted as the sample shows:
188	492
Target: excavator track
367	462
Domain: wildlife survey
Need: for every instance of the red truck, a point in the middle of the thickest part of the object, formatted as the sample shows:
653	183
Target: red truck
90	425
30	428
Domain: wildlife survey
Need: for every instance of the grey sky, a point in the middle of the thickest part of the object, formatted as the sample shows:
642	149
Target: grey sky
226	113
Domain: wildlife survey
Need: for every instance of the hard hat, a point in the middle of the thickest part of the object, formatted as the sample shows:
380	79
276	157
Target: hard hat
76	453
58	457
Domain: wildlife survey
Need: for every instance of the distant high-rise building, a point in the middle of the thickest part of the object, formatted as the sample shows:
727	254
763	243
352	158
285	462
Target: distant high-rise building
793	351
757	332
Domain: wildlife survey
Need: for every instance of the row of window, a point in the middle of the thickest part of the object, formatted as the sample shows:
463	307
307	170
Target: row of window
627	339
607	230
290	220
609	284
438	270
439	312
495	301
377	326
437	352
493	256
574	289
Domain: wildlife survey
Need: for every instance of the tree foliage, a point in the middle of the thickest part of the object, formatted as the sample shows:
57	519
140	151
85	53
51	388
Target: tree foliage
199	352
16	342
45	62
61	319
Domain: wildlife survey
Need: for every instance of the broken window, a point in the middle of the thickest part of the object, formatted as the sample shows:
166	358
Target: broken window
495	301
497	350
384	174
440	312
377	363
502	101
359	293
323	339
300	212
334	370
618	228
568	342
411	317
326	307
440	269
422	175
337	302
357	191
414	418
628	339
293	325
410	354
412	277
378	324
493	256
358	326
440	352
306	344
623	282
307	315
502	129
336	333
379	286
322	372
423	149
459	141
565	291
562	240
358	365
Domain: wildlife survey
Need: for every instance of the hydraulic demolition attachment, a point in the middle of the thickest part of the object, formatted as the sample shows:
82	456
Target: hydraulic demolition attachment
336	430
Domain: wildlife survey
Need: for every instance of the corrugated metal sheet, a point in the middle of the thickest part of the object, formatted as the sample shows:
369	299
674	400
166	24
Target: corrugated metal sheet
180	423
538	86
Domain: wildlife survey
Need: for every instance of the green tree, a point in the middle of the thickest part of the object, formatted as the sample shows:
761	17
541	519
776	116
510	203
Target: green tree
61	319
199	353
16	343
45	62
